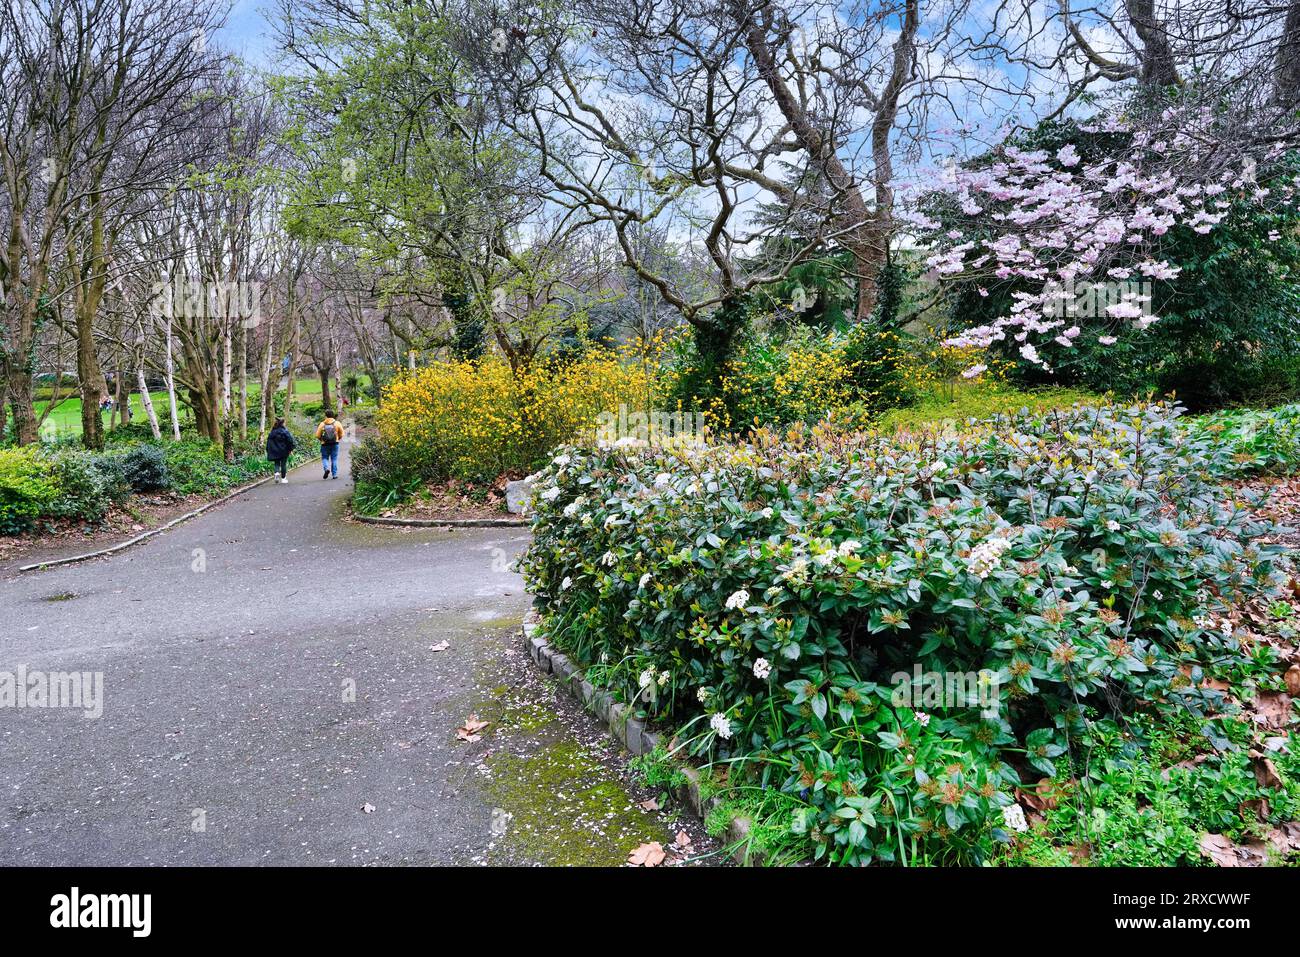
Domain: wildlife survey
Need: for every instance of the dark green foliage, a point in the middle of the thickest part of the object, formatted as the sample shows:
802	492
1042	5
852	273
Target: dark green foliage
146	468
772	601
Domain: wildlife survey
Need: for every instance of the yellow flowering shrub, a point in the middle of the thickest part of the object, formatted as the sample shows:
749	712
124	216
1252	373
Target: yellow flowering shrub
806	378
477	419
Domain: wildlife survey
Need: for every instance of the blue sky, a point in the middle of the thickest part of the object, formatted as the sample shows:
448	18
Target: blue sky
247	31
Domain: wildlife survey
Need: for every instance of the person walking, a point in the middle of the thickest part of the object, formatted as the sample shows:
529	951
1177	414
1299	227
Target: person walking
328	433
279	445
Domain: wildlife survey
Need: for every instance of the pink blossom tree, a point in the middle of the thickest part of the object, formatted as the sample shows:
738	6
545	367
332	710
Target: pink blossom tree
1081	236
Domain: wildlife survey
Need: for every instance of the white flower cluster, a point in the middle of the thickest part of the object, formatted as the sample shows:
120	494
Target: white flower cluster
987	555
762	668
738	599
721	726
797	572
1013	816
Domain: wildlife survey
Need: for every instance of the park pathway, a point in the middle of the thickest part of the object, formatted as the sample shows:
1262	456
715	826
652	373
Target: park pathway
277	690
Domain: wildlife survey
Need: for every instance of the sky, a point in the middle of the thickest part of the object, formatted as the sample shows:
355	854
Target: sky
247	31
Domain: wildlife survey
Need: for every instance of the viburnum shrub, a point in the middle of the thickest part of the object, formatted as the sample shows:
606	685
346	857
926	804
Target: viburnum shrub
778	604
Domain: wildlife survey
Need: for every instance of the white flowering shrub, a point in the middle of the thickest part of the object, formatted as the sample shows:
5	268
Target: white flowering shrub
763	599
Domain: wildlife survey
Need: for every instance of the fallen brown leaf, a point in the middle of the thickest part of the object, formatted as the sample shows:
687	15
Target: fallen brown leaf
1045	796
1272	708
647	855
1224	853
1292	678
469	731
1266	775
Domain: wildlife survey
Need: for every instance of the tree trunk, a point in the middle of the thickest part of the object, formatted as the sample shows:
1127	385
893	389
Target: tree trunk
1286	81
90	378
170	366
243	382
293	361
146	399
326	403
1158	67
226	359
266	393
20	404
338	377
864	232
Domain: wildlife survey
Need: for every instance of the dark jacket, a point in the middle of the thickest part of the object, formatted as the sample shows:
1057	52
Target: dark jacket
279	444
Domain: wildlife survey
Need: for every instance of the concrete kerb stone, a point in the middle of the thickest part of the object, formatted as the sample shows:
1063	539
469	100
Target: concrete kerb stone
442	522
632	733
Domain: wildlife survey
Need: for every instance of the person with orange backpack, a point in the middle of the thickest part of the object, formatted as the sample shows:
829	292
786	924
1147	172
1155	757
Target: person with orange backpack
329	433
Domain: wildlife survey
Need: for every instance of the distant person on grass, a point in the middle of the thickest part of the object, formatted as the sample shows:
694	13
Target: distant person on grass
279	445
329	433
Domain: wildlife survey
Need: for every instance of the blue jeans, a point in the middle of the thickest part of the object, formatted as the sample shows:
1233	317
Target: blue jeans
329	457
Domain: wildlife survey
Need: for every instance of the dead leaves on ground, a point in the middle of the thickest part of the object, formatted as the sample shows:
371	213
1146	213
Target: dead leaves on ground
1272	709
647	855
652	854
1292	679
1279	842
1045	796
469	731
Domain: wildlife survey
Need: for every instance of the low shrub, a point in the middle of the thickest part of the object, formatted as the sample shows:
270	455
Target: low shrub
799	376
89	484
195	465
1262	441
1132	803
786	603
146	468
28	486
58	480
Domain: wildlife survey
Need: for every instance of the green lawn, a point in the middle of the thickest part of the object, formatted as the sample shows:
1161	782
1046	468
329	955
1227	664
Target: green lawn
66	418
979	400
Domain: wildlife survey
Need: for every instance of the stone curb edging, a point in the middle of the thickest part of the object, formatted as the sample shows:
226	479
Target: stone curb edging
443	522
178	520
632	734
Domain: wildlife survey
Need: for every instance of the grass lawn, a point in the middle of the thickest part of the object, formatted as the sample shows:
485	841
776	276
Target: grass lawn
980	400
66	418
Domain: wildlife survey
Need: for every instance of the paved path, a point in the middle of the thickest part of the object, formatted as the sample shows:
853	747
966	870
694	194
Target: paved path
271	694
